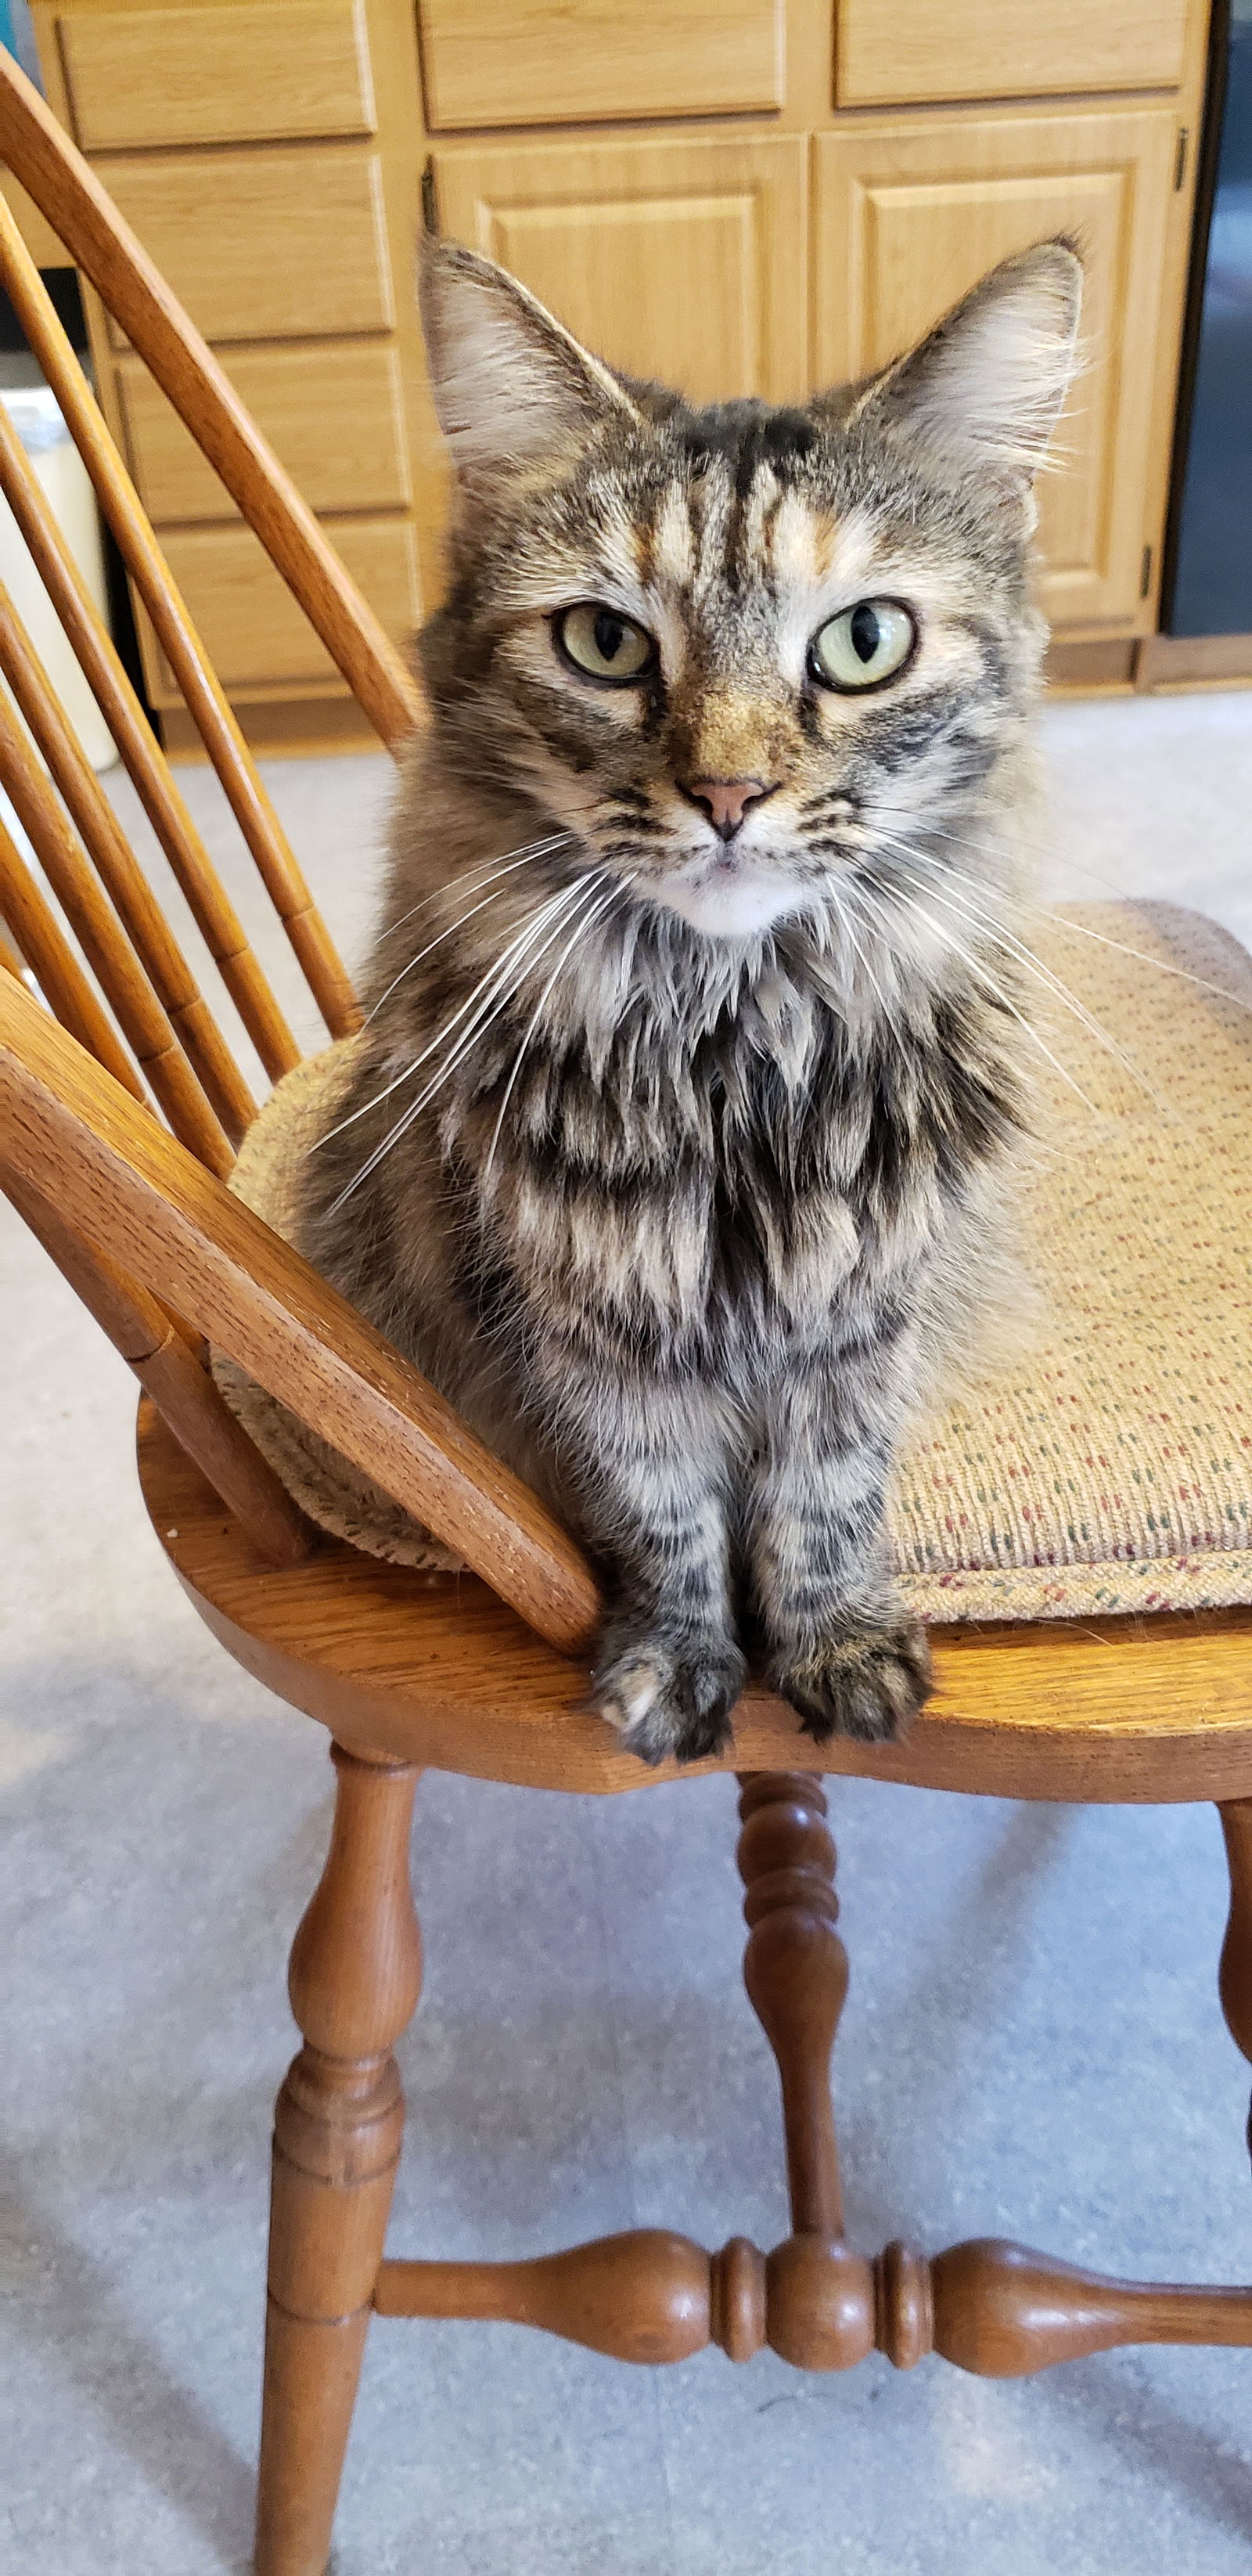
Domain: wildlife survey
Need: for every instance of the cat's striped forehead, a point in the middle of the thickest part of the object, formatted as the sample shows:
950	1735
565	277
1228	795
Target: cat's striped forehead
712	549
713	531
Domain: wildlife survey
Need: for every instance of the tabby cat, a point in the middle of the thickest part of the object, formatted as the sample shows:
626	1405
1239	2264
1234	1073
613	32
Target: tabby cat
677	1145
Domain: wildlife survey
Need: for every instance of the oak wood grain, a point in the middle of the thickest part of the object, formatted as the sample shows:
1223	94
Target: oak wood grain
116	967
436	1669
51	960
892	52
356	1973
145	1201
993	2308
241	780
531	64
240	74
104	247
332	410
174	1375
795	1969
213	912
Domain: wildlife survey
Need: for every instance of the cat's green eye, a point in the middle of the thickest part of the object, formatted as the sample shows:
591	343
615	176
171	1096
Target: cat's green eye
863	646
604	644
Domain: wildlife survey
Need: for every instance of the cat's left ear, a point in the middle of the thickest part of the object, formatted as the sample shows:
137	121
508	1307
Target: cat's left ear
982	391
510	383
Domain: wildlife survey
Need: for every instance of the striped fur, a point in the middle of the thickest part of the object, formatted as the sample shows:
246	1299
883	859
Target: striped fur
680	1164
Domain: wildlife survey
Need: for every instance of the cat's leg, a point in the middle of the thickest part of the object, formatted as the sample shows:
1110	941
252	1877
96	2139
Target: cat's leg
843	1648
653	1493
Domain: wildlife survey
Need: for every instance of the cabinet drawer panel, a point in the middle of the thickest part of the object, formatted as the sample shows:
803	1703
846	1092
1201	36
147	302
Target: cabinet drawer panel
252	629
262	245
534	65
216	75
898	52
909	218
684	261
334	415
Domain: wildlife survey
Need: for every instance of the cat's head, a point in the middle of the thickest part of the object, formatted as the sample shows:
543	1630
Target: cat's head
738	650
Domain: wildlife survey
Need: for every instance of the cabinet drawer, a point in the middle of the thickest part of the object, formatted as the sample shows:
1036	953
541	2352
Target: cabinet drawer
682	260
262	245
216	75
532	64
253	631
334	415
899	52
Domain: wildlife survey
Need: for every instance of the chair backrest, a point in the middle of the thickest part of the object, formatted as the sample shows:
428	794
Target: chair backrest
78	1157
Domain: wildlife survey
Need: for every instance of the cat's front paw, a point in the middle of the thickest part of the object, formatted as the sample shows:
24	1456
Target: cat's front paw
668	1691
864	1681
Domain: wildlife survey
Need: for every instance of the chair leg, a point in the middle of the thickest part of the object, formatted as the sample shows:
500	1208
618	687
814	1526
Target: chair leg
355	1979
796	1971
1235	1975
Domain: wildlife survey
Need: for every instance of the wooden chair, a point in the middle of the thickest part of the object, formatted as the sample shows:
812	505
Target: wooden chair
119	1127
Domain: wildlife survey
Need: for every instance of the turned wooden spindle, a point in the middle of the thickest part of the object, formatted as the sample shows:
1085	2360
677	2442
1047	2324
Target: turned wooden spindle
653	2297
992	2308
796	1972
1235	1974
355	1979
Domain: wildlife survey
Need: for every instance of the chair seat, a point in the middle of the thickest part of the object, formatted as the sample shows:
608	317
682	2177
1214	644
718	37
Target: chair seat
1105	1466
432	1668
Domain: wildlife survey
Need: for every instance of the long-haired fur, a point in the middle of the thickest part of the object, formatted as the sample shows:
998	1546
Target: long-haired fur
678	1142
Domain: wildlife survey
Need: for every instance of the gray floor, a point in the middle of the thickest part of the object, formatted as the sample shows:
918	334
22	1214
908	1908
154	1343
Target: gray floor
1032	2045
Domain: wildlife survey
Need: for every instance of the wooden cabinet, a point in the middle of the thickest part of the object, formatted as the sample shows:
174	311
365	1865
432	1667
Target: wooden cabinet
904	52
737	196
269	156
535	64
680	259
251	74
907	217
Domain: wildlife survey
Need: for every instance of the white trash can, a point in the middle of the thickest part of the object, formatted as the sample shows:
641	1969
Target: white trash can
64	477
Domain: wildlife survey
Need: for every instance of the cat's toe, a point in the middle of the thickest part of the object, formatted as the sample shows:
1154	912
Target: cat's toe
669	1694
865	1682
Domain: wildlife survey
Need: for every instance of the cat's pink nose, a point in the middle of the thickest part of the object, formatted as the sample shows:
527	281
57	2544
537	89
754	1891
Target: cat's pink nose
726	800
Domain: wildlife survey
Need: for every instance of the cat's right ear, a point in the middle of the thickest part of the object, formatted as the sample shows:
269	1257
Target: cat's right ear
510	383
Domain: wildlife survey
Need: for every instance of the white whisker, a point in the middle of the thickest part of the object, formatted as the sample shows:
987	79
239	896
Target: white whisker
535	923
986	977
598	907
505	868
503	985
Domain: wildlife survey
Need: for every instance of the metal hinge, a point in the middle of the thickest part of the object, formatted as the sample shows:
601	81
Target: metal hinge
1145	573
1180	157
430	200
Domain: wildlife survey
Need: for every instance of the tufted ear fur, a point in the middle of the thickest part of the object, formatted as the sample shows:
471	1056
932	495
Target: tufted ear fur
982	391
510	382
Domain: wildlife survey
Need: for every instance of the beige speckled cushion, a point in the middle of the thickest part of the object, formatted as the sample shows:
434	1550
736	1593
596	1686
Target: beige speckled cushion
1110	1468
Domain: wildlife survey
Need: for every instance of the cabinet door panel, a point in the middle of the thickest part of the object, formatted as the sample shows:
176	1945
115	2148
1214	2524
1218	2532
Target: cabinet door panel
334	414
216	75
902	52
683	261
263	244
531	64
254	633
909	217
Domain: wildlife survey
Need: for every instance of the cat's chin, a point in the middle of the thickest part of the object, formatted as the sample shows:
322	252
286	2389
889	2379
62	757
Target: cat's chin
738	902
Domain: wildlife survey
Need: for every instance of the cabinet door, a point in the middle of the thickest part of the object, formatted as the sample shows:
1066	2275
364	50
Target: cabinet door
679	260
910	215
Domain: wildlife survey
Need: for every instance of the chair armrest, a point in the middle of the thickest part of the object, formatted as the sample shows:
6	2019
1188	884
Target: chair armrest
122	1181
